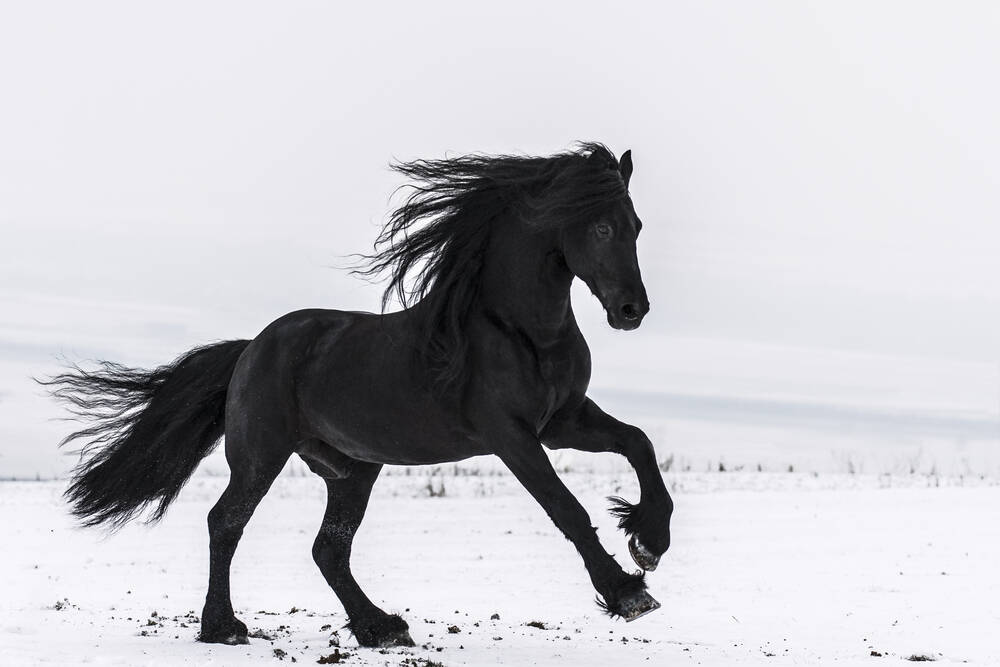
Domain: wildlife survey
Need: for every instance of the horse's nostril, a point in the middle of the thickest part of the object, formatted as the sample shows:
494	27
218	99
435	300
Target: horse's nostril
630	312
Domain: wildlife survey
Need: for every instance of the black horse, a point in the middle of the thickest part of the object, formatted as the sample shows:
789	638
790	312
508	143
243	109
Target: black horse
485	358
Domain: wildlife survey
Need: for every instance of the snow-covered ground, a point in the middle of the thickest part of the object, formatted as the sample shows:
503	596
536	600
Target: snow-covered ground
765	568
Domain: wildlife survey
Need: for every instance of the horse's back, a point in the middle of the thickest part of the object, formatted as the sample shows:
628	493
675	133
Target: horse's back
279	351
353	381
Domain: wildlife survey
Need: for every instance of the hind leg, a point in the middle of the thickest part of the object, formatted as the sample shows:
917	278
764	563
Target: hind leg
347	499
253	469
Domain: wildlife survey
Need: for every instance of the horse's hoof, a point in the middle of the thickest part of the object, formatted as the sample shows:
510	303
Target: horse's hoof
231	633
398	638
229	638
637	605
385	631
642	556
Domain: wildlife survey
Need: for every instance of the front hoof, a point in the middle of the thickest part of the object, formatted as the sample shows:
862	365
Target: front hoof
637	605
401	638
232	632
386	632
642	556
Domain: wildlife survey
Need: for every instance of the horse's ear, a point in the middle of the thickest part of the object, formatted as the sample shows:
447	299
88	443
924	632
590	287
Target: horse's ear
625	167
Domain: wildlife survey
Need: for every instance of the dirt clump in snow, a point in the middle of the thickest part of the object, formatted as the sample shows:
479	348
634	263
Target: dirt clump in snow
334	658
419	662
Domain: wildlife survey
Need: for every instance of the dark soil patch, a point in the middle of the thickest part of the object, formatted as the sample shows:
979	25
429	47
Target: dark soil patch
419	662
334	658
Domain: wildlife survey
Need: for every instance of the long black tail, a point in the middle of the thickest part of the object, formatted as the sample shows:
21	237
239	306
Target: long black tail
148	429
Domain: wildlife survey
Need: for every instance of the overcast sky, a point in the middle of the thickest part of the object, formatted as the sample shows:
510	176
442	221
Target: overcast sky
816	179
810	174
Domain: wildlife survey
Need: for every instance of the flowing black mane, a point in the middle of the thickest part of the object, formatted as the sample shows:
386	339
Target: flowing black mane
433	245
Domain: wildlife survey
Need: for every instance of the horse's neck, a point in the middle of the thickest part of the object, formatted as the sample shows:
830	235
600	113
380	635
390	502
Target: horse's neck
525	282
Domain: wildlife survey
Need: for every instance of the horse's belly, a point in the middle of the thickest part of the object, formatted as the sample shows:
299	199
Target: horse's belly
404	443
388	424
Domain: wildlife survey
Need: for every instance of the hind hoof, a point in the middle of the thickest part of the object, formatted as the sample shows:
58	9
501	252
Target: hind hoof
642	556
637	605
232	638
233	633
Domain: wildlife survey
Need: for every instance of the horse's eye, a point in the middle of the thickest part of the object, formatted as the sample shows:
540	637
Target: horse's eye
603	230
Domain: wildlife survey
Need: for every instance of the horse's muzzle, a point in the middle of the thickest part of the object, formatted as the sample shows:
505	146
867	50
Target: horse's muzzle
628	315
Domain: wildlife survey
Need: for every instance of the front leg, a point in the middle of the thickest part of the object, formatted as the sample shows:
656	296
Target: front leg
590	429
623	594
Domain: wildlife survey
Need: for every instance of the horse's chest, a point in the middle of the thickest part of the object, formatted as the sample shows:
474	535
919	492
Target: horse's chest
556	372
557	375
531	376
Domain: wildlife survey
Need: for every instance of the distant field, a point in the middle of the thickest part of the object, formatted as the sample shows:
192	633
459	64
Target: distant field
704	403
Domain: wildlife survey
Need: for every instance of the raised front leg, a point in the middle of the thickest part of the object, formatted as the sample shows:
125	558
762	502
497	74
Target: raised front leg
590	429
623	594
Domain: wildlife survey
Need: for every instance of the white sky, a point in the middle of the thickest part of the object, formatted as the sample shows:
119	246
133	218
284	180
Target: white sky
809	174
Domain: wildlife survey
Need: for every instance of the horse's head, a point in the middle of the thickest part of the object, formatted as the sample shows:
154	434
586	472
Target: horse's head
600	251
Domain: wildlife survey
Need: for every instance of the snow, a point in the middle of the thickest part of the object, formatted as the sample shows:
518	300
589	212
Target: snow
765	568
